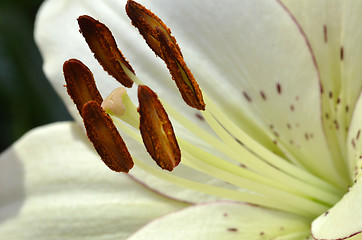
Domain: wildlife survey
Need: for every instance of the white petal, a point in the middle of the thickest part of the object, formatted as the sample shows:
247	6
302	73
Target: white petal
332	28
344	220
54	186
225	220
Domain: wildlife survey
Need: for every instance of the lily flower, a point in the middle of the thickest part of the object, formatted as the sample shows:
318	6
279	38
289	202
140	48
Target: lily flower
245	125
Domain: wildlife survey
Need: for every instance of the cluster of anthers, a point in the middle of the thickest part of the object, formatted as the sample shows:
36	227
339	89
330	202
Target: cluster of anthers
269	179
155	127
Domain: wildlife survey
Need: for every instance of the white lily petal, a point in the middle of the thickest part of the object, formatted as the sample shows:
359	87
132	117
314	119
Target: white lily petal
344	220
225	220
54	186
331	28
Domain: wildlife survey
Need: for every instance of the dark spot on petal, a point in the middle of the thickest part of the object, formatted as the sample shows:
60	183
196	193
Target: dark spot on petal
238	141
297	98
326	115
262	94
242	165
336	124
199	116
232	229
292	108
247	97
326	213
347	108
353	143
289	126
225	215
342	54
261	234
330	94
279	88
325	33
338	101
291	142
306	136
358	134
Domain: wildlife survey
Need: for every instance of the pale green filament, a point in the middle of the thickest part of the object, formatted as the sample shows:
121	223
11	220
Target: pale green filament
264	153
307	206
221	192
267	180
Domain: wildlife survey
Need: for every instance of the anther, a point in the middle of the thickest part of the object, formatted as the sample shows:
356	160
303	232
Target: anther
156	130
147	22
159	39
181	74
102	43
105	138
81	86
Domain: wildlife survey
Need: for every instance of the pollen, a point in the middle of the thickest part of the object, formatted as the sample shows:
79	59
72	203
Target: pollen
81	86
102	43
156	130
105	138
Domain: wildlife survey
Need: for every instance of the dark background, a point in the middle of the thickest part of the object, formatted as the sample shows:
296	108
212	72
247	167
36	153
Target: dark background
26	98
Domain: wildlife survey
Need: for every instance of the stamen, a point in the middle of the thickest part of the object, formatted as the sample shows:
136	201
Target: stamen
147	22
104	47
81	86
105	138
156	130
159	39
182	75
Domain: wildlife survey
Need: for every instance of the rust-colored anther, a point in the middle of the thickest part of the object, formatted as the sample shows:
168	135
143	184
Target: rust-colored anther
102	43
146	22
81	86
159	39
156	130
185	81
105	138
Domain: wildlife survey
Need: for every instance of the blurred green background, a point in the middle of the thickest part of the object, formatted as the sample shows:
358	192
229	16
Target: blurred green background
26	98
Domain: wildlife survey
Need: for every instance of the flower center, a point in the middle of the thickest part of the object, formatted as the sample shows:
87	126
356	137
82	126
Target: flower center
255	174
